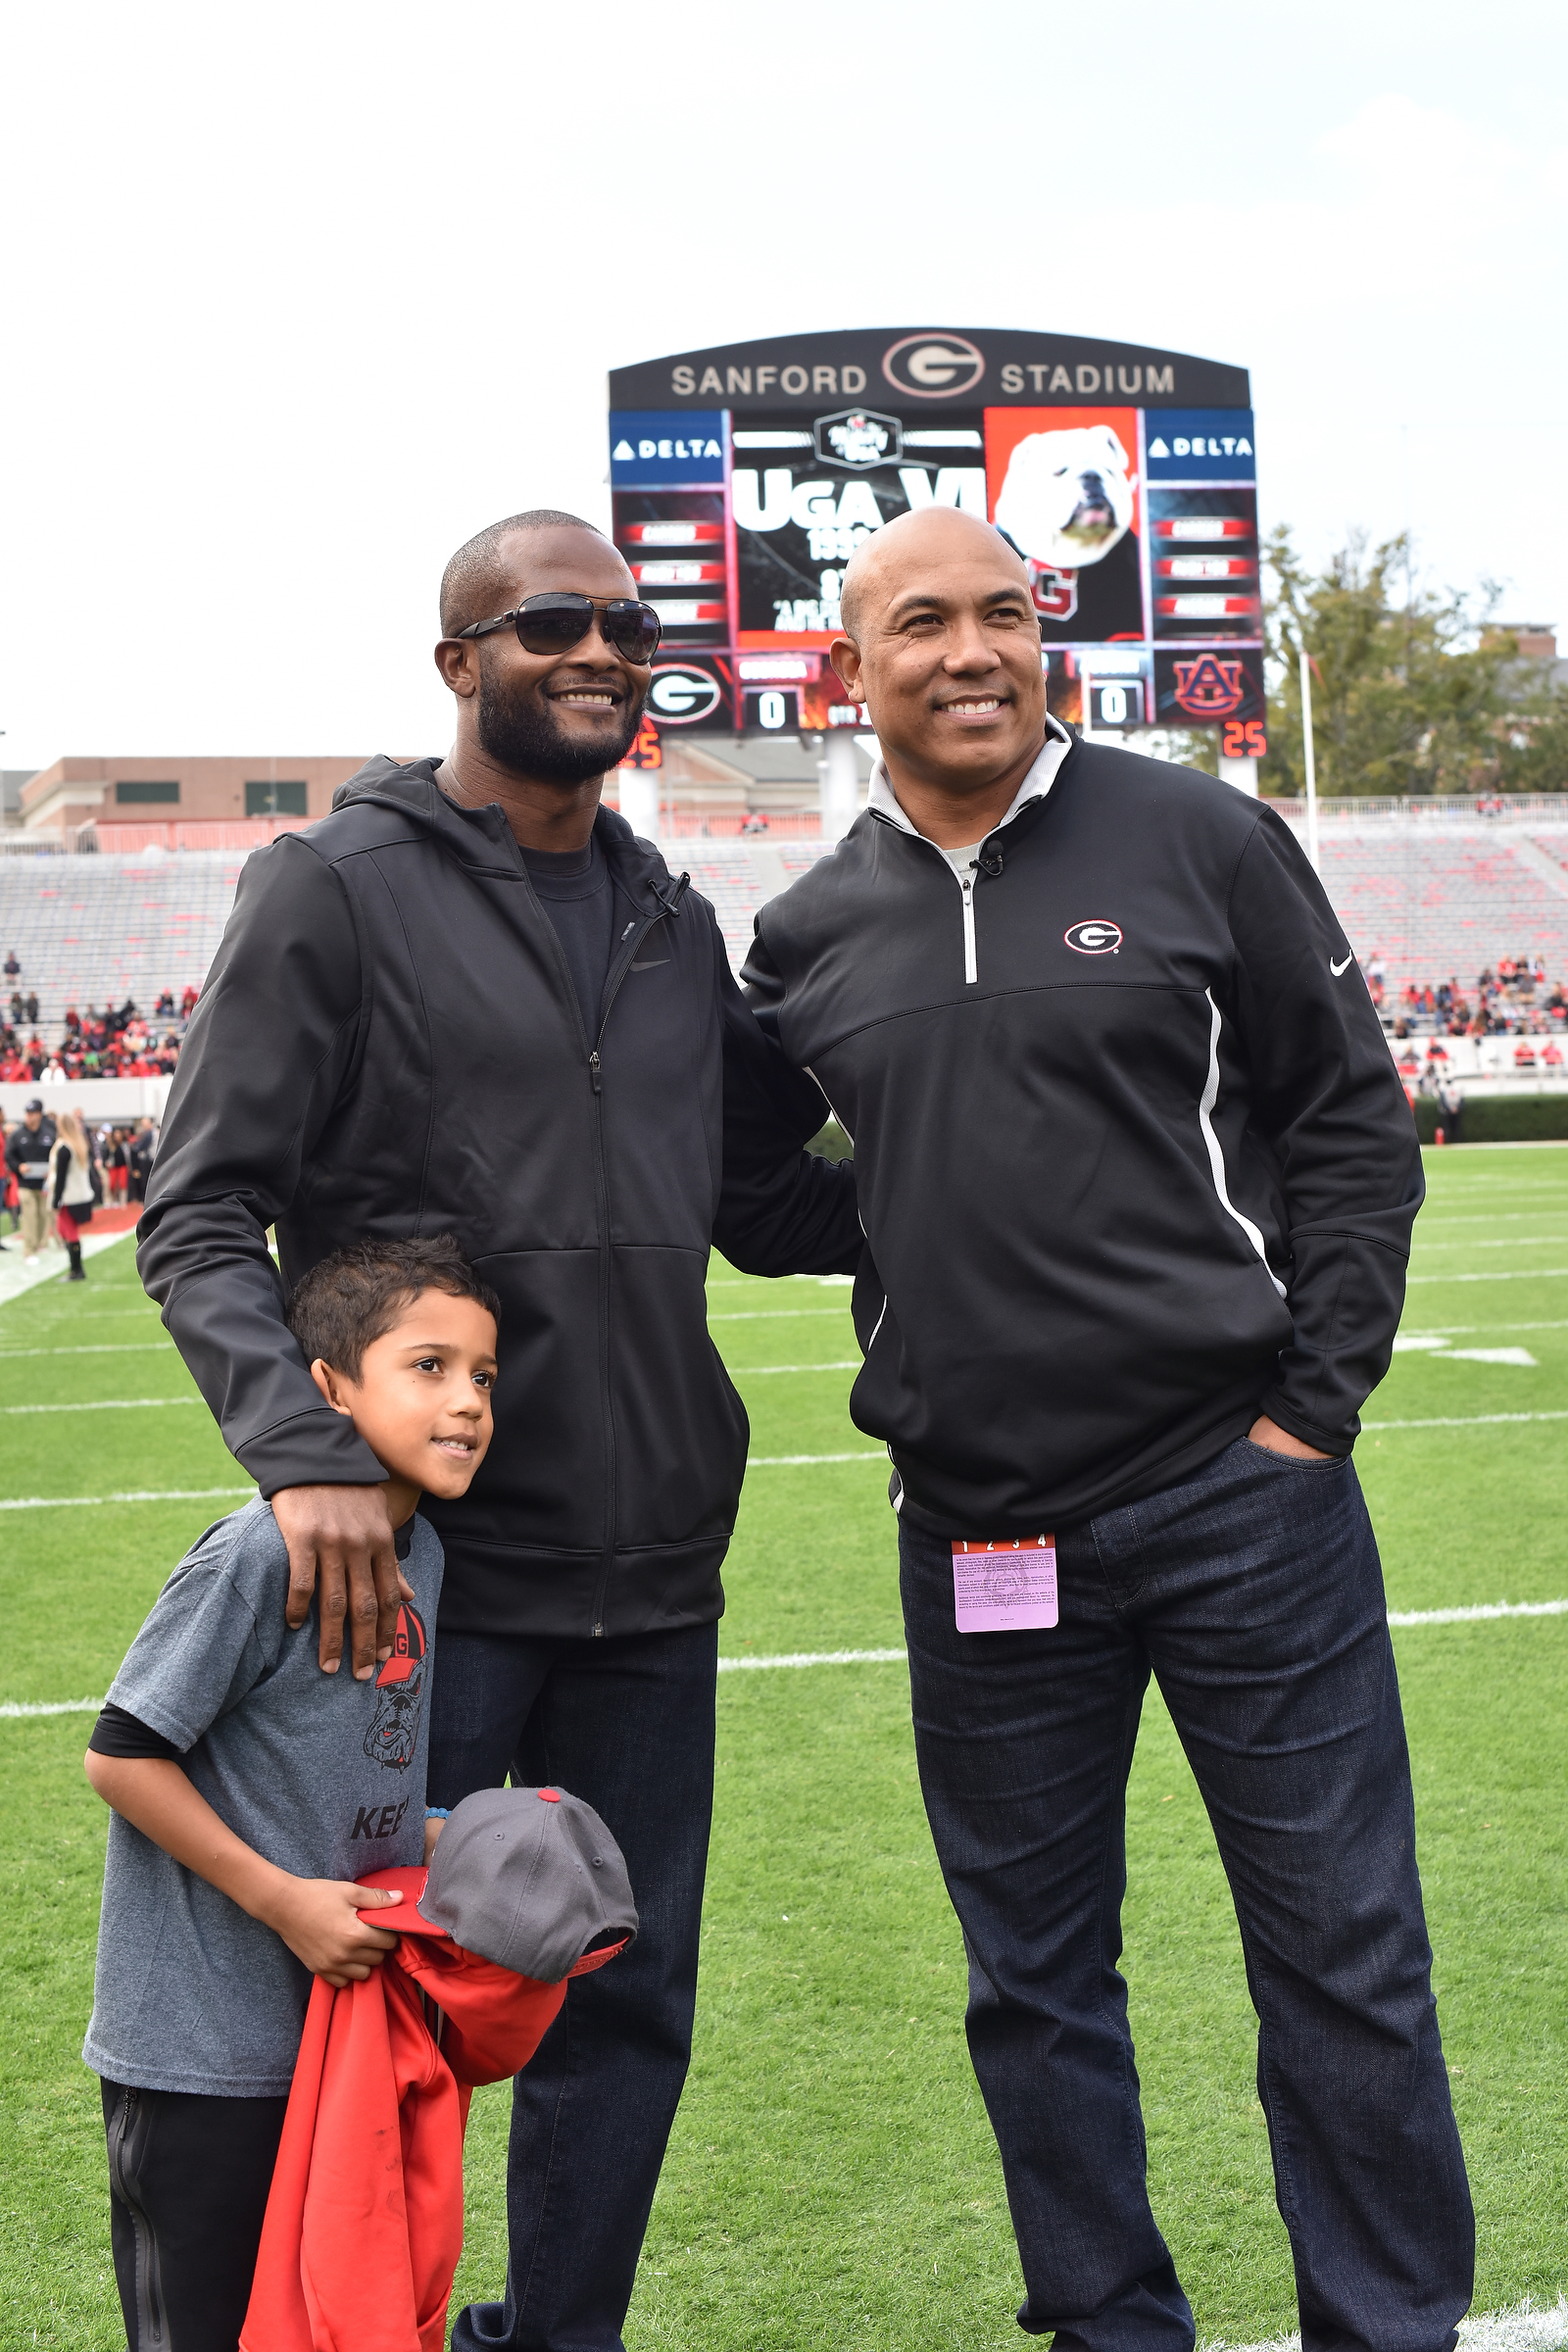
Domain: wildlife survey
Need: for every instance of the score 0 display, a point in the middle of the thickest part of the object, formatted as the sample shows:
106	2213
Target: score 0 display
744	479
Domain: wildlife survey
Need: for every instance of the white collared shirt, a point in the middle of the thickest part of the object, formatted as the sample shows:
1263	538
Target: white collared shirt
883	801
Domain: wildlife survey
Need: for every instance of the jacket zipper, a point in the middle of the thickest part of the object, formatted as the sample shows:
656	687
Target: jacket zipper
126	2180
971	970
596	1077
966	883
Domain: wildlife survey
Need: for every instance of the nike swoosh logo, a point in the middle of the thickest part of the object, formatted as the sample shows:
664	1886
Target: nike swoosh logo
1338	968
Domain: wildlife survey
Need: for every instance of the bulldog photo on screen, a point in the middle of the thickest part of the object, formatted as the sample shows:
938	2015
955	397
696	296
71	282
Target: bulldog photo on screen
1064	488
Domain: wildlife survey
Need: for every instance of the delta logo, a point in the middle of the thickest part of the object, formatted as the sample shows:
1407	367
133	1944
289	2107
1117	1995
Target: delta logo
1209	688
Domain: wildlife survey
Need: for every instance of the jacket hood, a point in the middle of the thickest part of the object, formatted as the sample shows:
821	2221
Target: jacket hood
481	838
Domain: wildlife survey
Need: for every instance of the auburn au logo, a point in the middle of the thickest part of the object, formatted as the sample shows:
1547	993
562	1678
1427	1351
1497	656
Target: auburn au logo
1209	688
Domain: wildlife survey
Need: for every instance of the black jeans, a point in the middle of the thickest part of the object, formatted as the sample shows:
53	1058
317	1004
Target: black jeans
627	1724
188	2178
1253	1592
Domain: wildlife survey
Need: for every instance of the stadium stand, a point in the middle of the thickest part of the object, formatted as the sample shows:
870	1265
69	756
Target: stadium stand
1427	900
1432	903
98	929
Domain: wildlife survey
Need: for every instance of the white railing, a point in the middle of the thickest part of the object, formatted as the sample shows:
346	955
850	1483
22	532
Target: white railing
1518	807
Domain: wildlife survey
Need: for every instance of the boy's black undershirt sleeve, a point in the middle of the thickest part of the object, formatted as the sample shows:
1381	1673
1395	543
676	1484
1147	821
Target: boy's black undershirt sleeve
118	1734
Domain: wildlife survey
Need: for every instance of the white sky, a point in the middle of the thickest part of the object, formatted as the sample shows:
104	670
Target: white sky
295	299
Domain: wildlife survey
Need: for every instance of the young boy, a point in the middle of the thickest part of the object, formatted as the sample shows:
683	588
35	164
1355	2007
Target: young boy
250	1790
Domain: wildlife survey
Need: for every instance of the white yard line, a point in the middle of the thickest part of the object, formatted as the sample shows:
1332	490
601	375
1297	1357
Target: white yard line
806	1461
18	1279
814	1657
1478	1614
1464	1420
1523	2328
104	1405
104	1347
1504	1274
774	1314
19	1709
76	1502
1507	1241
848	1363
1457	1331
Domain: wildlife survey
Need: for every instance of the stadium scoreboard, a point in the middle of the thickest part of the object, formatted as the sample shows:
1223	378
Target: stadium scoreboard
744	479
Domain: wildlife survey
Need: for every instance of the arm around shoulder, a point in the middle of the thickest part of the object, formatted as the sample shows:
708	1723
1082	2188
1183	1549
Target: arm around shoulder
782	1209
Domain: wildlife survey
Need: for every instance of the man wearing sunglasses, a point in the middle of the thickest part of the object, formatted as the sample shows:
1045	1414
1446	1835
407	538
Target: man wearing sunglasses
470	1002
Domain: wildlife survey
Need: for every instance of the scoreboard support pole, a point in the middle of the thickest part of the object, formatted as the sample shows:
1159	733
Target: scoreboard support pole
839	783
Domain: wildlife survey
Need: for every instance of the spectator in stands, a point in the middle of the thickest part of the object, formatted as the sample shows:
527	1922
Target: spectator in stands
469	1000
72	1192
31	1009
28	1157
165	1006
187	1002
12	968
19	1009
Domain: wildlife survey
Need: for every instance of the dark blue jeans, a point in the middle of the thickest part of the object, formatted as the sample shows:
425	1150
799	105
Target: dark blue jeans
628	1725
1253	1592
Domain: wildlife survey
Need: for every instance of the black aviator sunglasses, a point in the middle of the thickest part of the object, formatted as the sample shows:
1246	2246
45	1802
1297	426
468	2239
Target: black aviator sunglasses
554	622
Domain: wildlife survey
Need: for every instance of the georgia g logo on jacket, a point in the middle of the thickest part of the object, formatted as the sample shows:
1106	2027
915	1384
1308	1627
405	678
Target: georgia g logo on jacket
1096	938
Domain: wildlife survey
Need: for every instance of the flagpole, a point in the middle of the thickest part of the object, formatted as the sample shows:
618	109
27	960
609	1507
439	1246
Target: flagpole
1311	763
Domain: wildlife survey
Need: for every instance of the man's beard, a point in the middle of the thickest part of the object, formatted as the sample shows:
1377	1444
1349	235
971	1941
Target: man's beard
523	733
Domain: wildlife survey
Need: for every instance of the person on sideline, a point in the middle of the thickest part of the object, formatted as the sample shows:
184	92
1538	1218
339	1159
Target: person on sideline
70	1189
471	998
27	1157
1118	1333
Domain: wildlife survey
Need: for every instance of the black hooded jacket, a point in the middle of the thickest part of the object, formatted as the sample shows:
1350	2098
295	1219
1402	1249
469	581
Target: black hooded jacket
1134	1162
389	1043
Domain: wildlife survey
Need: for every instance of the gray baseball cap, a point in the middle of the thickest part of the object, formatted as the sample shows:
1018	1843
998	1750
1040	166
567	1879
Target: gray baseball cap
531	1878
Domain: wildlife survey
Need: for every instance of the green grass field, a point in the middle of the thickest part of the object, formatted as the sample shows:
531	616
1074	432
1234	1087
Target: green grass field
832	2179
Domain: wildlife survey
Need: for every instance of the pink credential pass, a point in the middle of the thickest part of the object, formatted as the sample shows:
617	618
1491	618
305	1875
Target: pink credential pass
1006	1585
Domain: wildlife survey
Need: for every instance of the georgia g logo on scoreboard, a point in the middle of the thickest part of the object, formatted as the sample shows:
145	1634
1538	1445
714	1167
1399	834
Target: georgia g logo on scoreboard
680	695
1098	938
934	366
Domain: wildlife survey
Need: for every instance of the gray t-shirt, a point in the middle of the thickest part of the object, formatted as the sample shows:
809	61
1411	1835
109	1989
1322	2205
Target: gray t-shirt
322	1774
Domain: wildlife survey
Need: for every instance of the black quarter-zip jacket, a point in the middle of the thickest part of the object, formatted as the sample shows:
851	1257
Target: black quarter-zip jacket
390	1043
1134	1162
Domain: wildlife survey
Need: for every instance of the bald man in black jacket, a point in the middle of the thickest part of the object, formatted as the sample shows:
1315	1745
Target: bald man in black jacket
1138	1179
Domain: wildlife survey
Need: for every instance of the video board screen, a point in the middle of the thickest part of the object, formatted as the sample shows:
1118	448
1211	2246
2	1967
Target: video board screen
744	479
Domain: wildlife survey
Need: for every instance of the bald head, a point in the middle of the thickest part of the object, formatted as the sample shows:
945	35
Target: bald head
942	646
908	550
475	583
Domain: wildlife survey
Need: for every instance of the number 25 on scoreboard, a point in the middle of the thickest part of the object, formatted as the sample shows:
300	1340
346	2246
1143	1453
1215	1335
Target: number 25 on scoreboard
1243	739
